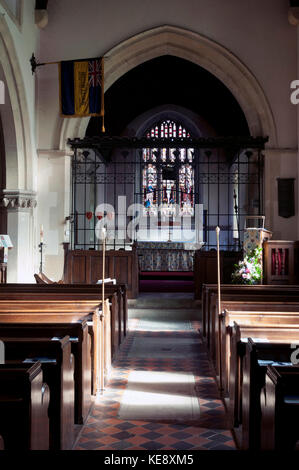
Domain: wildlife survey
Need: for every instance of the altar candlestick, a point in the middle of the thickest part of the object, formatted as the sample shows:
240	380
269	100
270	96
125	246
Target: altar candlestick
42	233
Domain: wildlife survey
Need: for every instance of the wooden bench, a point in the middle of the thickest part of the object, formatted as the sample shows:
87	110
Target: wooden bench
240	338
24	402
262	319
280	409
80	347
119	289
209	289
260	302
244	297
248	360
65	307
116	296
58	372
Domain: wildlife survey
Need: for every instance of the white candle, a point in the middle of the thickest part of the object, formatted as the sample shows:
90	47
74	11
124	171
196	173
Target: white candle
42	234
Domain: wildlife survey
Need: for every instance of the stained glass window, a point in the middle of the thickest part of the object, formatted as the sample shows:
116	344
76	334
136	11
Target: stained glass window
168	173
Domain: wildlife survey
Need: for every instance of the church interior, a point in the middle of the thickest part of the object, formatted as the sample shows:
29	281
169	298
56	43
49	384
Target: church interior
149	228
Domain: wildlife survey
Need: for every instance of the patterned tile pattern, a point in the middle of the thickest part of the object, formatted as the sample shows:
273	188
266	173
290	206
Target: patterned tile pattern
103	429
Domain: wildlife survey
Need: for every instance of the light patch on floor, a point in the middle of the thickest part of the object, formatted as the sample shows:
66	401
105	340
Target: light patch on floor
162	325
152	395
168	348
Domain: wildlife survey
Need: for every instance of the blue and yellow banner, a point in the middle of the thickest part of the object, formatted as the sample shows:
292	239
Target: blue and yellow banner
82	88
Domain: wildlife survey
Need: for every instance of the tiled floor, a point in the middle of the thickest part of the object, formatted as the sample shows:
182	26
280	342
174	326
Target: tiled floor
105	431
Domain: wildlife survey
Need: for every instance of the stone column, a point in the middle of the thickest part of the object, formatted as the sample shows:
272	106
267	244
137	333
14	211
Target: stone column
20	207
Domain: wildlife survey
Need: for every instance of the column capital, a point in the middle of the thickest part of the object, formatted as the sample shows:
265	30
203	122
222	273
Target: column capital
18	199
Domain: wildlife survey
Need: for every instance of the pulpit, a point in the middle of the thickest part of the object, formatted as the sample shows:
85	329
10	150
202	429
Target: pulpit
254	236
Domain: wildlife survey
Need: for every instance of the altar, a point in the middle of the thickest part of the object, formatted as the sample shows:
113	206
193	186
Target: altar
166	256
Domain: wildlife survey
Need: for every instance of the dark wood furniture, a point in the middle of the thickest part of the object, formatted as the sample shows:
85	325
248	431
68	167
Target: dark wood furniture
80	347
85	267
234	291
24	402
257	357
280	409
264	319
239	339
58	372
205	268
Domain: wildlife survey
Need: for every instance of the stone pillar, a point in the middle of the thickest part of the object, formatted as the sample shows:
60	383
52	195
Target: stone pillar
54	186
20	207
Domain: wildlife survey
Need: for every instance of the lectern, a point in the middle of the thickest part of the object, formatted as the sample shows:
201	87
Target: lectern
255	236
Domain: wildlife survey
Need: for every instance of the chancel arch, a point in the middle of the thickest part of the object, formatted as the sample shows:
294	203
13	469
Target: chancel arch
164	43
196	48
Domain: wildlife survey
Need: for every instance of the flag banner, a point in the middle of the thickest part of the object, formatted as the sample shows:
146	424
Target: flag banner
82	88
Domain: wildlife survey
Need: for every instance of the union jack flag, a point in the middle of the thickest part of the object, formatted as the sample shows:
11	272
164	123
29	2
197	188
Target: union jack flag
94	73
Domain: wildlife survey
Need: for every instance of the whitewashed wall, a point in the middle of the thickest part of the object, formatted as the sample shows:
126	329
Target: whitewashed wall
256	33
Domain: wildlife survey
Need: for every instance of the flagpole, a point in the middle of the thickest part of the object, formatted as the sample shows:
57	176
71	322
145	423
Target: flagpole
103	93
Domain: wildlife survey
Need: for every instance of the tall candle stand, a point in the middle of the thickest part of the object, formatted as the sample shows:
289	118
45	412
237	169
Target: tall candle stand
40	246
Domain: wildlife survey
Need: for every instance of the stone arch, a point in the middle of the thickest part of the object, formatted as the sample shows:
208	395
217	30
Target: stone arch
197	125
192	46
19	171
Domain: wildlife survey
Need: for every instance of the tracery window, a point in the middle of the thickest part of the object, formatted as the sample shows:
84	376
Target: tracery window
168	173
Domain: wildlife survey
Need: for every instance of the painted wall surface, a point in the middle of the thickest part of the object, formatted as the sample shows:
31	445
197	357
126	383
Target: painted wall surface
24	37
53	207
256	32
18	39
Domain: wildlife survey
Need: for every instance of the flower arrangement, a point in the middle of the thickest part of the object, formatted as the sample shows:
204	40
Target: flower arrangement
249	271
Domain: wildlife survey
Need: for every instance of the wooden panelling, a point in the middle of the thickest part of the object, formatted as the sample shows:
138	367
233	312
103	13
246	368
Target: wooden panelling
205	268
85	267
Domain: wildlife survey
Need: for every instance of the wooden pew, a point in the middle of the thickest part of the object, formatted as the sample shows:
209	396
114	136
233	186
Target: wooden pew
244	297
263	319
120	289
269	344
80	347
257	356
280	409
209	289
58	372
24	402
100	329
116	295
260	302
240	339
